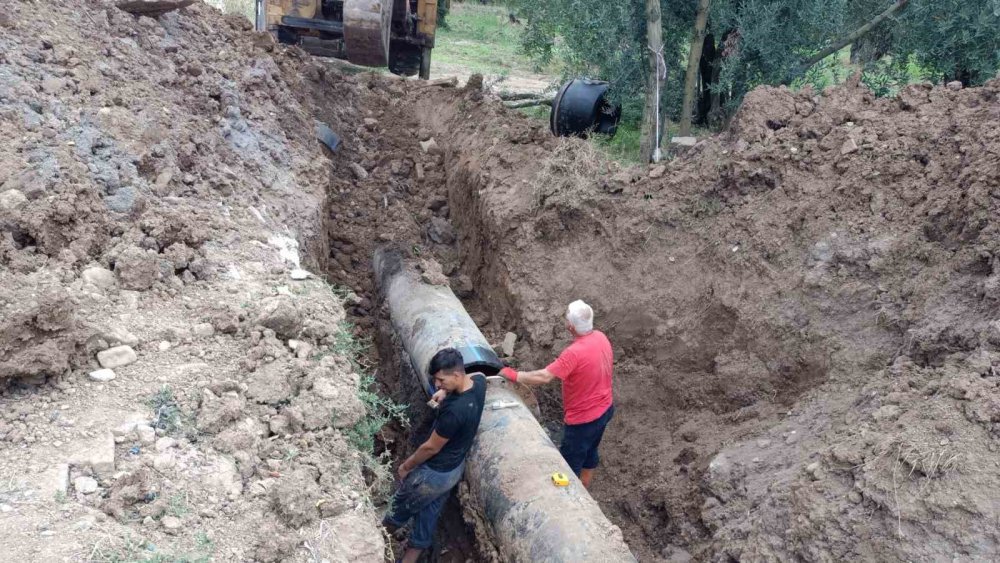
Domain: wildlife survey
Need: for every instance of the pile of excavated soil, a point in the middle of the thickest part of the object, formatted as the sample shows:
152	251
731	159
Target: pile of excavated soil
804	312
161	192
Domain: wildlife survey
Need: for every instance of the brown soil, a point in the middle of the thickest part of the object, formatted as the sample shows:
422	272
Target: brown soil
803	309
804	313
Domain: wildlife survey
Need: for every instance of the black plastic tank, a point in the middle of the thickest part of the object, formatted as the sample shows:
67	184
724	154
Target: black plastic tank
581	107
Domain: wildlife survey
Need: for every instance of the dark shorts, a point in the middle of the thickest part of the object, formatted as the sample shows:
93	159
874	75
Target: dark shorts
580	442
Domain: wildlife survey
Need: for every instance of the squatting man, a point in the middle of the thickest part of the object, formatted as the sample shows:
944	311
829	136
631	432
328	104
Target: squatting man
585	367
429	475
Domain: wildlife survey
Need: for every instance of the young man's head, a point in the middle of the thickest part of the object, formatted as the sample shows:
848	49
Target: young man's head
579	318
448	369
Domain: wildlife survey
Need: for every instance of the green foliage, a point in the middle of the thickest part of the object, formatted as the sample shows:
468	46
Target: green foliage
178	505
379	411
950	39
166	412
766	42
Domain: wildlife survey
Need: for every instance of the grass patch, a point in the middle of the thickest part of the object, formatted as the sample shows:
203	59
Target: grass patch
178	505
482	39
167	414
127	549
379	411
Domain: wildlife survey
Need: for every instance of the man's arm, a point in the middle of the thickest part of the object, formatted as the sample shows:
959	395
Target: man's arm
537	377
427	450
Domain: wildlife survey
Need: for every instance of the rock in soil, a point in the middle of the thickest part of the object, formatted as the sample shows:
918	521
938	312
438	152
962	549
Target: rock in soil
102	375
85	485
117	357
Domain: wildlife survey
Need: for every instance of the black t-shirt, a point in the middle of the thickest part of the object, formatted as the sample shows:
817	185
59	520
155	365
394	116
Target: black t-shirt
458	420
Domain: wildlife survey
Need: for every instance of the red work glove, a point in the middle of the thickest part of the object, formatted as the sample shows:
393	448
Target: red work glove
509	373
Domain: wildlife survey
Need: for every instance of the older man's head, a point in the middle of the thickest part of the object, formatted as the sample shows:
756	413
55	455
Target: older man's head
579	318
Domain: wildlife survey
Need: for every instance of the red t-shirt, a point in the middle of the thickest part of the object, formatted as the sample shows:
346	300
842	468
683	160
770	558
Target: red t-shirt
585	369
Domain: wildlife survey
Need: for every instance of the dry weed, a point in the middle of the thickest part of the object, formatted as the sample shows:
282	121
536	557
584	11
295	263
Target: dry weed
573	167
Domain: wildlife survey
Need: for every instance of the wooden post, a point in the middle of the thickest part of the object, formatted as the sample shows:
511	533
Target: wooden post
652	125
691	78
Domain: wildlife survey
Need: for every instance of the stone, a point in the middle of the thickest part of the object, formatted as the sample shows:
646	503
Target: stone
165	443
171	524
100	277
85	485
359	171
98	454
137	269
53	85
849	146
117	357
430	146
117	336
954	85
441	231
164	461
370	122
419	171
299	274
163	346
280	315
203	330
509	340
145	433
12	199
657	171
102	375
462	286
684	141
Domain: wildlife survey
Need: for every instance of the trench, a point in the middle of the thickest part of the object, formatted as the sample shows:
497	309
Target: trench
651	482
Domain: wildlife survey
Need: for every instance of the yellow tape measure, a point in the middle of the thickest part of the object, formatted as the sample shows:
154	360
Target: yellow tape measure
560	479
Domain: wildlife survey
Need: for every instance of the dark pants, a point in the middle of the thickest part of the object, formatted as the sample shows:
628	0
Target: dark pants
421	496
580	442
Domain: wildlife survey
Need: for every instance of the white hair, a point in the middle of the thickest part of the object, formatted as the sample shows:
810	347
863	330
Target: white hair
581	316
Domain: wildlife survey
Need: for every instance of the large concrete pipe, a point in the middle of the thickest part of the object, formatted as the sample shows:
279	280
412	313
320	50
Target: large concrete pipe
509	469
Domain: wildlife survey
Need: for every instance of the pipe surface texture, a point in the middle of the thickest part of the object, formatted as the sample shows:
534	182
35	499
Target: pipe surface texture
509	468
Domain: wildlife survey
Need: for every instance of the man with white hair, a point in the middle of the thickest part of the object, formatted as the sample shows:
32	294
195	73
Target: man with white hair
585	369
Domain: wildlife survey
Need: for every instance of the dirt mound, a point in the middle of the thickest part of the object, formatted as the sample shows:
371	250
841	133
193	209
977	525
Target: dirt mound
813	294
160	181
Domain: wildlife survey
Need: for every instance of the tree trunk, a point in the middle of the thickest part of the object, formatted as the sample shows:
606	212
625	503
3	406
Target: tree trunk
691	78
845	41
651	123
706	68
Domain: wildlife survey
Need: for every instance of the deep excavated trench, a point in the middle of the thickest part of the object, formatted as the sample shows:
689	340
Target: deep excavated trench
781	328
431	202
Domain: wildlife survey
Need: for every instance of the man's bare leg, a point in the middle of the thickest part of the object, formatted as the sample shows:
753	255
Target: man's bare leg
411	555
586	476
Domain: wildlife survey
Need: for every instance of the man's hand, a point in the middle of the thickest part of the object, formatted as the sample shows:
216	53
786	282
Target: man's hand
439	395
403	471
509	373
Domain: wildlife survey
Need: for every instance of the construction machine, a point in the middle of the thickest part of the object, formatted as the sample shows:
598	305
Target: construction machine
394	33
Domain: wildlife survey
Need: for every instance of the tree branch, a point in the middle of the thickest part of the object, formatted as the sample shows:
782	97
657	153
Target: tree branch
529	103
851	38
